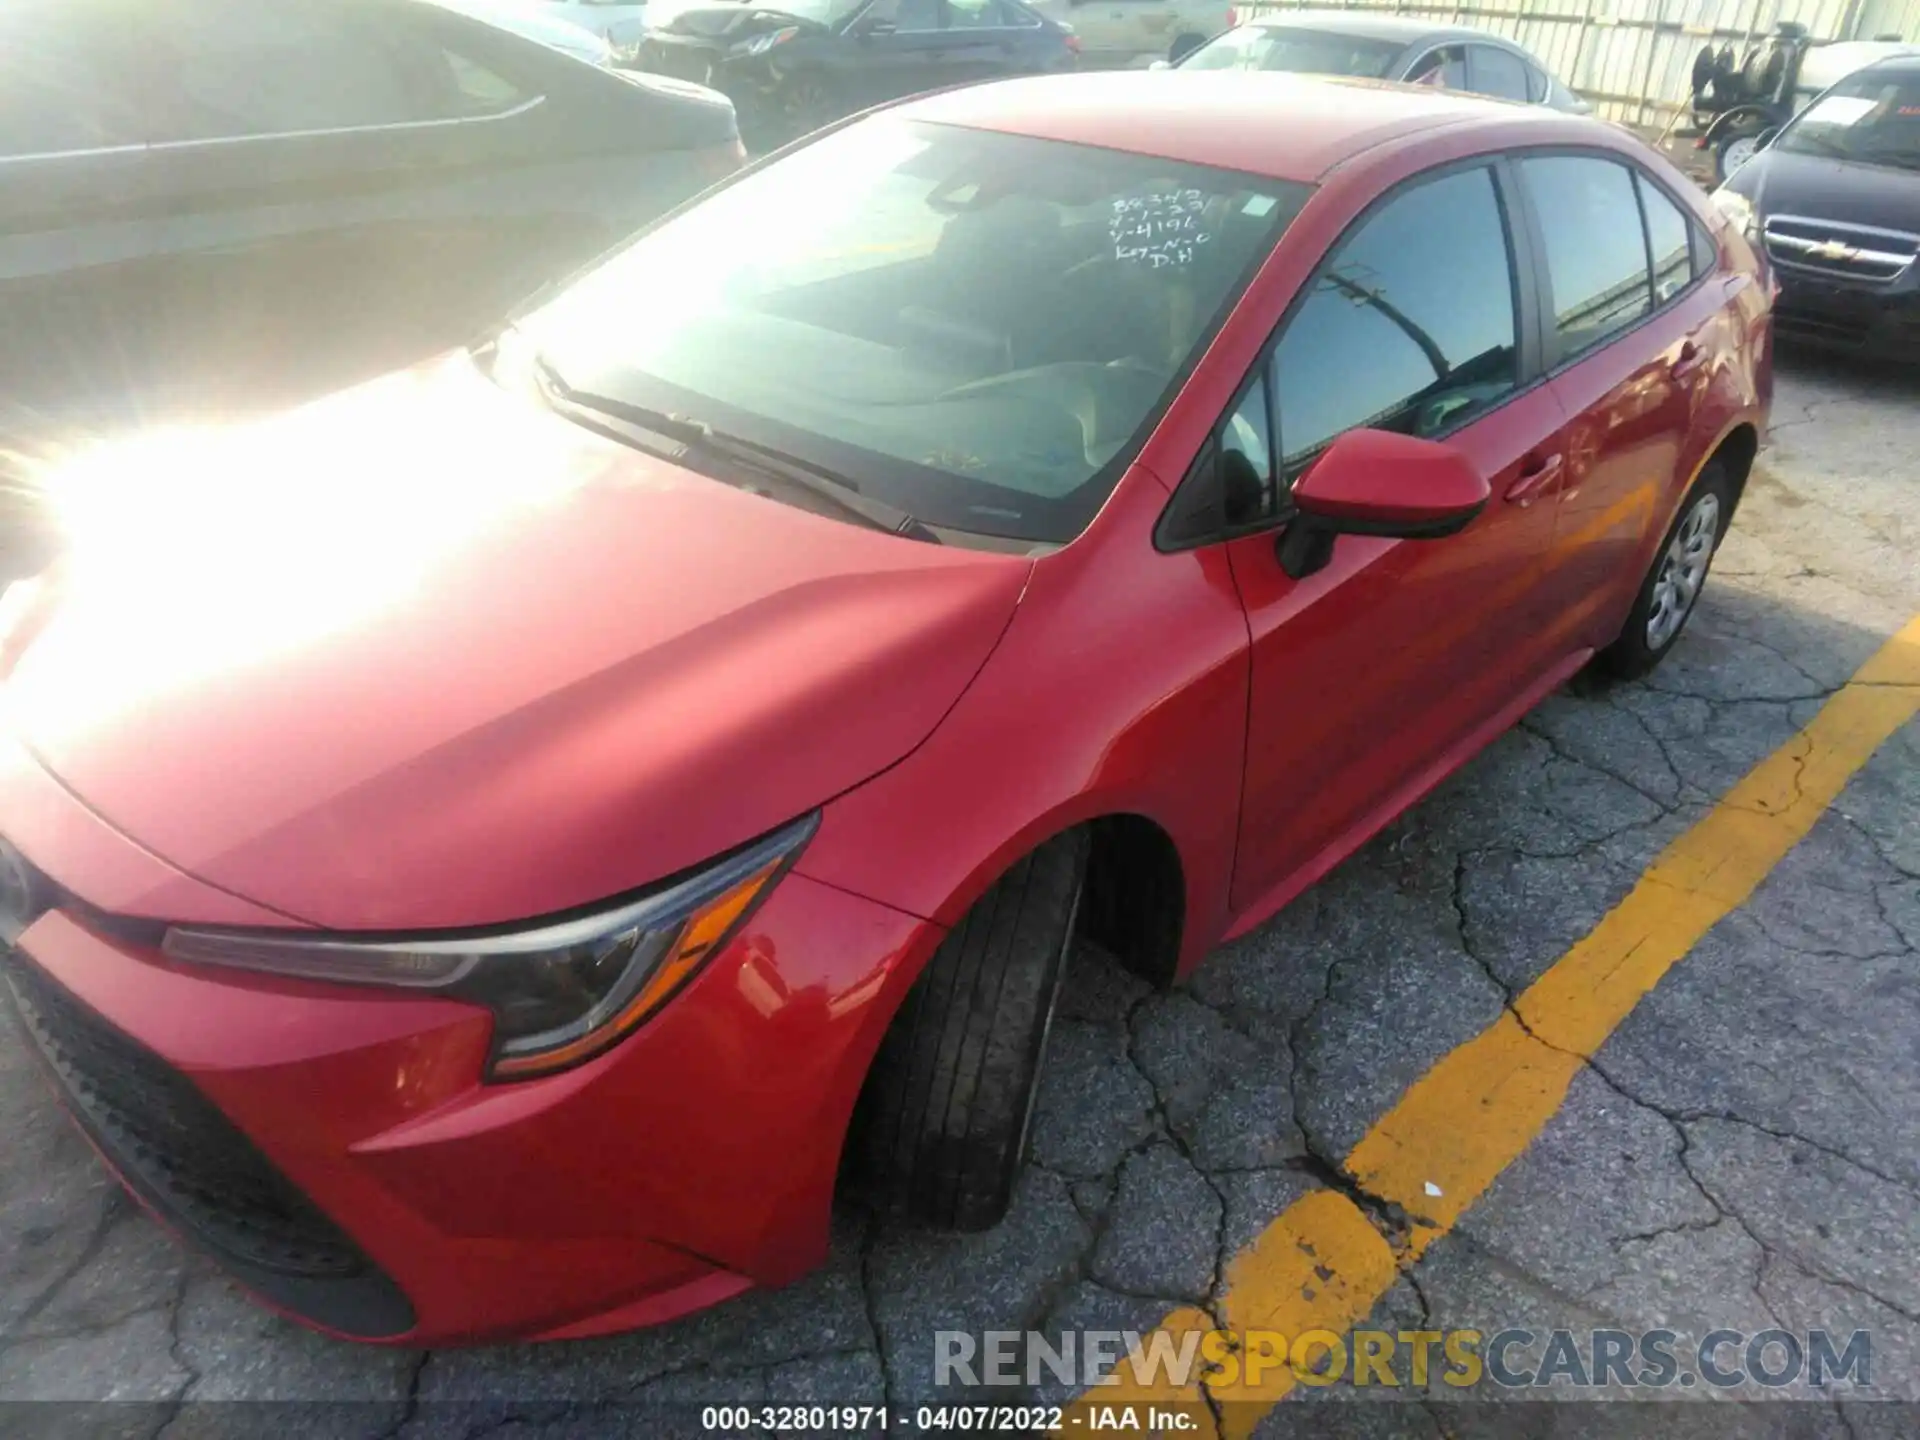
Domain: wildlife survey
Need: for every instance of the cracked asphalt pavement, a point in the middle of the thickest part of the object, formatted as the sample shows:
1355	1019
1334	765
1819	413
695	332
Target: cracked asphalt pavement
1742	1153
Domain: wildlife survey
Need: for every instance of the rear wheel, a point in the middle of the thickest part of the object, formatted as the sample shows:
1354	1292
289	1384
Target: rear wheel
1672	587
941	1128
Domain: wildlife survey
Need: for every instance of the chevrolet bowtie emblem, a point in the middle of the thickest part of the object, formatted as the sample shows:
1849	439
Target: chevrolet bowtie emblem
1834	250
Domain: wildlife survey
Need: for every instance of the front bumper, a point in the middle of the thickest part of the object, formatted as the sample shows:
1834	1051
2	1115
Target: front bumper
335	1149
1864	318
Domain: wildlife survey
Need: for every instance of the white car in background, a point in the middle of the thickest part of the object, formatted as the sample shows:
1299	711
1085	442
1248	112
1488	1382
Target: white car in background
1130	34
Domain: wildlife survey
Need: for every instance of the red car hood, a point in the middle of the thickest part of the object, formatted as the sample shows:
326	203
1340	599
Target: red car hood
423	655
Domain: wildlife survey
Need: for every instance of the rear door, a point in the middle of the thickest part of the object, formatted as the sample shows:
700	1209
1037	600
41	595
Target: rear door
1372	672
1631	329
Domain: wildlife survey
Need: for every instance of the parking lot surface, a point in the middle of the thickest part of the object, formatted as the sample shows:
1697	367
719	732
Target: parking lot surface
1741	1151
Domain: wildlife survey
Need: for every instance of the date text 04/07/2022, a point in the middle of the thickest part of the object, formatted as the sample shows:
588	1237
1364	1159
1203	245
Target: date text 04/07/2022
968	1419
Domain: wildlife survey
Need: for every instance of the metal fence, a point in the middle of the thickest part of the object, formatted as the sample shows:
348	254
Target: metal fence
1633	59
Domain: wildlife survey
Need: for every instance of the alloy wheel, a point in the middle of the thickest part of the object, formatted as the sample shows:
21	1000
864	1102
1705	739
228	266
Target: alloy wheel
1683	570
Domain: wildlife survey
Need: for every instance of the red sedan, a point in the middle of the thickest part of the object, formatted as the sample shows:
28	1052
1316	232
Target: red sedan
486	854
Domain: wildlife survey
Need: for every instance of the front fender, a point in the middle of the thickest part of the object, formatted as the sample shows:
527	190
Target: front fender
1119	688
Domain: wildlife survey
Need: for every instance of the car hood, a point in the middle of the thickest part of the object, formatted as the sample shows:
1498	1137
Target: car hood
424	655
1824	189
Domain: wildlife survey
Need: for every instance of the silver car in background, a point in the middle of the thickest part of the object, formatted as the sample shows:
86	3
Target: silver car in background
1386	47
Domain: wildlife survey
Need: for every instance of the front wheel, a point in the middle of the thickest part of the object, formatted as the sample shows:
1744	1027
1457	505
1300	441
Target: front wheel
1672	587
806	103
941	1128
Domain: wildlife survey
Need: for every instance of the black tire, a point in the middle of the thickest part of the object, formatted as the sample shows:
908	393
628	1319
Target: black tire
941	1128
1183	46
1635	651
806	104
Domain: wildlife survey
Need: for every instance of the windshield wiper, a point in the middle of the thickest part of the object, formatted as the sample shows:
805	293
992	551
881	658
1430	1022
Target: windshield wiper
693	434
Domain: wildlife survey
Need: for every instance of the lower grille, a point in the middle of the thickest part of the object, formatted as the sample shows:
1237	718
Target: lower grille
1851	252
181	1155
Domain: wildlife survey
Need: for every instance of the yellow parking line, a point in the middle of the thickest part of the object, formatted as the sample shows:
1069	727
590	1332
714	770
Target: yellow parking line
1323	1264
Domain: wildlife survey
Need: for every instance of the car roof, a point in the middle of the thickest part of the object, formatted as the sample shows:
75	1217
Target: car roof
1894	65
1375	26
1281	125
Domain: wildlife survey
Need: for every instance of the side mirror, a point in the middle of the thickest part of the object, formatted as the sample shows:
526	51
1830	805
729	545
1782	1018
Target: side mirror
1160	65
873	25
1372	482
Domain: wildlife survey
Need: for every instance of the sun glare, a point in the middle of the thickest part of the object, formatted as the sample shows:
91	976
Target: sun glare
189	551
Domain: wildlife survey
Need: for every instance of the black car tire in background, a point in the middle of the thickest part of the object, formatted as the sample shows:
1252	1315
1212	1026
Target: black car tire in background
803	104
941	1128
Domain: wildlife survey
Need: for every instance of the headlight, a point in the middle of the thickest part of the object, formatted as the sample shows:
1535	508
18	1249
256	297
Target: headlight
561	992
760	44
1737	208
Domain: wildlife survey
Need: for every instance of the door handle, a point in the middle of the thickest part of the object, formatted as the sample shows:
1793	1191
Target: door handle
1540	475
1690	359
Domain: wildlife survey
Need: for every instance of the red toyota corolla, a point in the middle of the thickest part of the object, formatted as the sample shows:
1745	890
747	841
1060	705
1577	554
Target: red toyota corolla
486	853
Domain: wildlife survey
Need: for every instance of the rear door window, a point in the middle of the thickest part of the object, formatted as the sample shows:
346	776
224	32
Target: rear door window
301	66
288	67
1443	69
1596	251
1410	327
67	81
1499	73
1669	242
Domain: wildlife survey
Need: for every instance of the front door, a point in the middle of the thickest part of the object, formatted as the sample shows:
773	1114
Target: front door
1369	674
897	48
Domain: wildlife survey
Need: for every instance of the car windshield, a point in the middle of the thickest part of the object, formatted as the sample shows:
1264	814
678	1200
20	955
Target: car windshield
973	327
1874	119
1307	52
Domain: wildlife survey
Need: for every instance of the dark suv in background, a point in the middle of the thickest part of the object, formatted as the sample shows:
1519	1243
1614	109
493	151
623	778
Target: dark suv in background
800	64
1835	199
211	205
